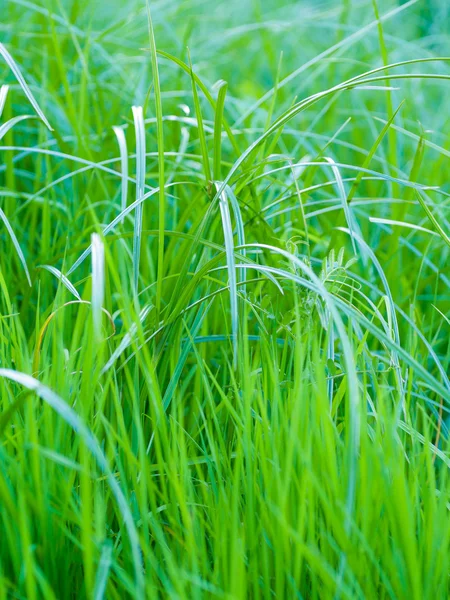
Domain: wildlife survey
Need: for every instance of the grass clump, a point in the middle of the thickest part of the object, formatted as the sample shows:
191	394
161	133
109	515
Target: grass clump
224	306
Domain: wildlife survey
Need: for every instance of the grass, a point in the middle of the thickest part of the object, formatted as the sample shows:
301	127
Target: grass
224	300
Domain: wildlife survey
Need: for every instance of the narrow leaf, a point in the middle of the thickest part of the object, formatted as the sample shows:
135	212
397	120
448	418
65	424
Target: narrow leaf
98	283
121	139
140	183
16	244
15	69
62	278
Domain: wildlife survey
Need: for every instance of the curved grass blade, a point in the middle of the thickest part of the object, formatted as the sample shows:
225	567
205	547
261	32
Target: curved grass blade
62	278
114	222
352	225
231	266
402	224
9	124
353	313
127	338
240	230
344	43
73	420
23	84
16	245
432	218
184	354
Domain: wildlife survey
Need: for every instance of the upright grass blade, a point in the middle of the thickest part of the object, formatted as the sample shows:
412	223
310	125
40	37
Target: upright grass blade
229	249
390	110
240	229
121	139
160	142
3	94
200	126
140	183
18	75
184	67
103	570
98	284
300	202
218	118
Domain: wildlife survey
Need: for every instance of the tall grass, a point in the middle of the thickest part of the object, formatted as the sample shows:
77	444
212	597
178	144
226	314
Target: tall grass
224	300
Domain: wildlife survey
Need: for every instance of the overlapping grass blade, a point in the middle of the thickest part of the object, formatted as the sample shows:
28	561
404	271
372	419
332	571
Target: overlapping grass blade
18	75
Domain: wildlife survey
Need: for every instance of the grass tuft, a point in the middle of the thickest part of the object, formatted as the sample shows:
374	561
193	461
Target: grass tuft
224	314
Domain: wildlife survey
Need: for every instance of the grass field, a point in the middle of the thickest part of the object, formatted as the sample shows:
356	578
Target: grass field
224	299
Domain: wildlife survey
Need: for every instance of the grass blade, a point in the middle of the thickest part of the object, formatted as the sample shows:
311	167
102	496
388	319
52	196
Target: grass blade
9	124
200	126
140	182
161	178
121	139
371	154
432	218
16	245
103	570
98	284
229	250
352	225
15	69
62	278
222	92
127	339
3	94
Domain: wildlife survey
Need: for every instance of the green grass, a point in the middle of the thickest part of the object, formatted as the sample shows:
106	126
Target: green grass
224	299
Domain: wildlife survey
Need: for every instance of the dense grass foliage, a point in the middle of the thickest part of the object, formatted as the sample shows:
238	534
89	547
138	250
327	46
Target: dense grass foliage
224	299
